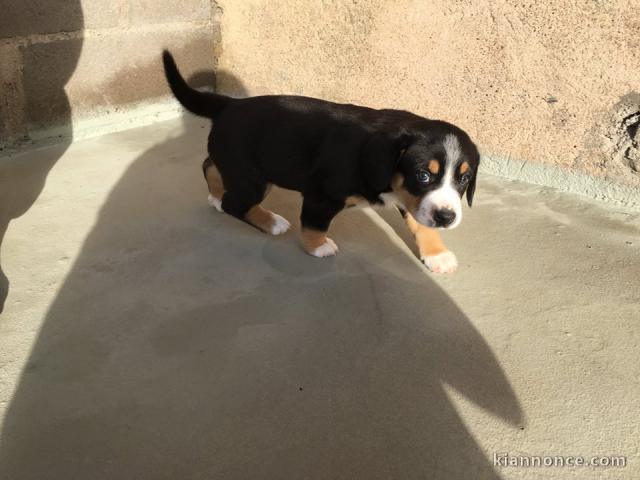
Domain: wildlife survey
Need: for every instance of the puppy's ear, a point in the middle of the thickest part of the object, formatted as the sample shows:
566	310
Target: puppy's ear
379	158
471	188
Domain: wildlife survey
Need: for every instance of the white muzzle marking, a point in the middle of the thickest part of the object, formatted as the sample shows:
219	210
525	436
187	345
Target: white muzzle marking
446	196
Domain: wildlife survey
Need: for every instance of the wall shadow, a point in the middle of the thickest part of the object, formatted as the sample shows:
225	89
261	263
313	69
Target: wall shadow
185	344
47	104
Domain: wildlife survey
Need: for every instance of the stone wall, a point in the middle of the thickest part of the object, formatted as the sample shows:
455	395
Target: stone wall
69	67
552	84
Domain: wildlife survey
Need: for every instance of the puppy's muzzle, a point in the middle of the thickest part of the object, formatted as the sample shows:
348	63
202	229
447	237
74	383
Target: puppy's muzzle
444	217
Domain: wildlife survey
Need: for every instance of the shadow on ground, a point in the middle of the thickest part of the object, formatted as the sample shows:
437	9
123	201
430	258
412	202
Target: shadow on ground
185	344
51	106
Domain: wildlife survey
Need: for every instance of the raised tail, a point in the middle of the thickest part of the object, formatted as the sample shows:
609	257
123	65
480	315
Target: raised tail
205	104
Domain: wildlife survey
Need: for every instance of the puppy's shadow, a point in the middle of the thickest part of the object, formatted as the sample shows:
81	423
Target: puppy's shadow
185	344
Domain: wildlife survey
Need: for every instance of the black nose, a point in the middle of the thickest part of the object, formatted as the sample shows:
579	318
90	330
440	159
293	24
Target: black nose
444	217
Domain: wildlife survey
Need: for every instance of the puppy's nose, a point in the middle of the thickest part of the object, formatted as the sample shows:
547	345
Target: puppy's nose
444	217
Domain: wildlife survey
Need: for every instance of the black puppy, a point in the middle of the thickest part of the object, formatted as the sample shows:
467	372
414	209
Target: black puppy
337	156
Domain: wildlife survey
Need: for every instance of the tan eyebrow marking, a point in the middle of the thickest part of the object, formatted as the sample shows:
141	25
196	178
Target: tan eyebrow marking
434	166
464	167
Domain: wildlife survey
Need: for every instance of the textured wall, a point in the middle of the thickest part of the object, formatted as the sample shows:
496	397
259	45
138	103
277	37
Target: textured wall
554	82
63	62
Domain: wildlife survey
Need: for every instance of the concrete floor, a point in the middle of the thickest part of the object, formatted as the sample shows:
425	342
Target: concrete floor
146	336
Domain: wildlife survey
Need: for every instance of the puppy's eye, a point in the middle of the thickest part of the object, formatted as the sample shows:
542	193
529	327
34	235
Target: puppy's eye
464	179
423	176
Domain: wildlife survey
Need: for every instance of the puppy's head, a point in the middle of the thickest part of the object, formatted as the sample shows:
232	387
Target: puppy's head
435	165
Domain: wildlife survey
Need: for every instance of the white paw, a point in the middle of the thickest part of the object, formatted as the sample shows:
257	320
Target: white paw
279	225
215	202
444	262
327	249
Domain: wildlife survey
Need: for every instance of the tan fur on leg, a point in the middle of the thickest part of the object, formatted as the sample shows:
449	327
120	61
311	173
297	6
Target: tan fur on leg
214	181
428	239
266	221
433	253
259	217
312	239
317	243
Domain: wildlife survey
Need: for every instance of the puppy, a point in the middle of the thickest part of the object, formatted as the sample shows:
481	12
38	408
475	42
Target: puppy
337	156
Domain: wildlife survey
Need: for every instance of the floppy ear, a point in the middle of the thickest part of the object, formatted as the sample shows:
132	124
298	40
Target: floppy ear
471	188
379	159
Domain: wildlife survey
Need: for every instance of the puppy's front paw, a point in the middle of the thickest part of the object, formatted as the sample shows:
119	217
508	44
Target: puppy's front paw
444	262
279	225
215	202
327	249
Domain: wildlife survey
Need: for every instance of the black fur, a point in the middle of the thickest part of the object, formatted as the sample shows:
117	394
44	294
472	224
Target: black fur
379	158
471	188
201	103
326	151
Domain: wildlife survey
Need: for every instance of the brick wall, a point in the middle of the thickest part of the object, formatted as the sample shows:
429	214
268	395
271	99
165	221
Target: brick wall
69	63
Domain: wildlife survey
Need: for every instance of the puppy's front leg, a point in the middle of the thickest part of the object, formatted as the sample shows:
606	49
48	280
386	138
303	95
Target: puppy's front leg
316	216
433	253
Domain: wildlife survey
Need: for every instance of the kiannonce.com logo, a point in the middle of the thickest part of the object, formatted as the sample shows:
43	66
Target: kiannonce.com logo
558	461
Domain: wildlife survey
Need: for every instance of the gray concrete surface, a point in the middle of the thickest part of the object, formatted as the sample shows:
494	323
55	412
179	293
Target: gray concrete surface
146	336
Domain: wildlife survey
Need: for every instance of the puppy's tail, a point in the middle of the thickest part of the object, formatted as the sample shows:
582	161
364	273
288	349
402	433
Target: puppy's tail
205	104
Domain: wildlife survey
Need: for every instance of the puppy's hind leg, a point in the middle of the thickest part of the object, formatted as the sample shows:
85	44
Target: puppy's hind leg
214	183
266	220
244	203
